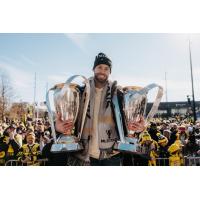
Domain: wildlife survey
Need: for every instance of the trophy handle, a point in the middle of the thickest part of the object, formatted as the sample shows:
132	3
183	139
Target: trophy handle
87	99
50	113
118	118
158	98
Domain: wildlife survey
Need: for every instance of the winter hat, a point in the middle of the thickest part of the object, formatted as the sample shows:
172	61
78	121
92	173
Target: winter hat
101	58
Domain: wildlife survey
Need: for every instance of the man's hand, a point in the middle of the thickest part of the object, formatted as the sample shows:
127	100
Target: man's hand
138	126
64	127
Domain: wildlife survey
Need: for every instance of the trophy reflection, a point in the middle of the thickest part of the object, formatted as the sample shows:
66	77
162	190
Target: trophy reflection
66	98
135	117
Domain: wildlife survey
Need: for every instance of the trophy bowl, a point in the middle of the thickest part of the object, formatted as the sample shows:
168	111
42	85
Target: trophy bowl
134	112
66	98
134	107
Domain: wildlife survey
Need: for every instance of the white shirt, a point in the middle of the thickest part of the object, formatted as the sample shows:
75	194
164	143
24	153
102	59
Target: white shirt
94	140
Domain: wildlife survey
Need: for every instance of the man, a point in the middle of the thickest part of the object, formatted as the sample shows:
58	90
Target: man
8	145
39	130
173	135
45	138
100	132
29	153
153	130
18	136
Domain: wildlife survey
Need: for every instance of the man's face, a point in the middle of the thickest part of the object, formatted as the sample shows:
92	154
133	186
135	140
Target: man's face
101	73
30	139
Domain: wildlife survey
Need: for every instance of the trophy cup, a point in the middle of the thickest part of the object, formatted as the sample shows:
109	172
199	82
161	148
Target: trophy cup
134	109
66	99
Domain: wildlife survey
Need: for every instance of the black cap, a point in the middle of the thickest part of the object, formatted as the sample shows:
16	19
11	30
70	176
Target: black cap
101	58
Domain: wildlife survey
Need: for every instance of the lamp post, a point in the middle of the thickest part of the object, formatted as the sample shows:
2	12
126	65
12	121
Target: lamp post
34	99
193	99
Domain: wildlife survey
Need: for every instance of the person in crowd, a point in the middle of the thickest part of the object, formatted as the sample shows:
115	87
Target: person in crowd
191	146
8	145
153	130
149	147
18	136
174	158
45	138
29	153
39	130
174	131
163	146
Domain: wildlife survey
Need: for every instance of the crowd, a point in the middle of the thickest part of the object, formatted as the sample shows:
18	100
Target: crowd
172	139
23	141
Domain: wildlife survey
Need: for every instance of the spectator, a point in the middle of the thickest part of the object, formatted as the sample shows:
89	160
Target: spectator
8	145
30	152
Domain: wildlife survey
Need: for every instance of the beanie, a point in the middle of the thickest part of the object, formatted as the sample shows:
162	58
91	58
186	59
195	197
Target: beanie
101	58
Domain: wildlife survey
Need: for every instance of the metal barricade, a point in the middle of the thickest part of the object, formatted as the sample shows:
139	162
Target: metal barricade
162	161
13	163
191	161
187	161
39	162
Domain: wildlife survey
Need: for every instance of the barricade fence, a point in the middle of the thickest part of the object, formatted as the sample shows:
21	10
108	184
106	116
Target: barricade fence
192	161
162	161
186	161
39	162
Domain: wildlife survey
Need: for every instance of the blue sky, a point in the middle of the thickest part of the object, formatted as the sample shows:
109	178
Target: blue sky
138	59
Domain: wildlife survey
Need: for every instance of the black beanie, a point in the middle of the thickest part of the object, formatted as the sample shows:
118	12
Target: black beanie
101	58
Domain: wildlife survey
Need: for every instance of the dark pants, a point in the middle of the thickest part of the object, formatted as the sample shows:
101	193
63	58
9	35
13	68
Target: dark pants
113	161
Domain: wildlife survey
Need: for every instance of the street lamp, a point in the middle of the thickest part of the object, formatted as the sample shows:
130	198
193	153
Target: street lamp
193	100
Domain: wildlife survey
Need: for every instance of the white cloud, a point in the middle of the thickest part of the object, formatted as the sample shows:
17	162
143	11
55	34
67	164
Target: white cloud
79	39
27	60
22	82
18	77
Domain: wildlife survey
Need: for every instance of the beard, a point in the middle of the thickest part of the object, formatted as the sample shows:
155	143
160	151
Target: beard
101	78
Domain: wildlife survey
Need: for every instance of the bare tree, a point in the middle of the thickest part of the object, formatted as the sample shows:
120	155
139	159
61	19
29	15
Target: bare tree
6	93
19	110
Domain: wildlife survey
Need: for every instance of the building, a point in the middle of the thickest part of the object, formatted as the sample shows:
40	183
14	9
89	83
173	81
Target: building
167	109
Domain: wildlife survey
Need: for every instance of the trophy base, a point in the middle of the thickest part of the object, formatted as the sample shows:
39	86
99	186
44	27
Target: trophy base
66	143
60	148
130	146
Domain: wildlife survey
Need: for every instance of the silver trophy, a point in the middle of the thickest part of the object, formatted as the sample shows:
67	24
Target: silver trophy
134	109
66	98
